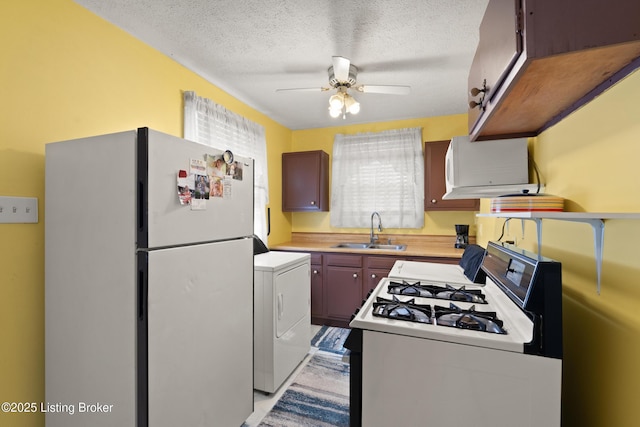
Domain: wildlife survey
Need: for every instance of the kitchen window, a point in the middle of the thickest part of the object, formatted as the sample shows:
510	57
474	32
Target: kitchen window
209	123
381	172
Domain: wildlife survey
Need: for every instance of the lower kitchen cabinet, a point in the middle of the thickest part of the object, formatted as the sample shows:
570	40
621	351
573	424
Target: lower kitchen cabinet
317	294
342	286
371	280
376	268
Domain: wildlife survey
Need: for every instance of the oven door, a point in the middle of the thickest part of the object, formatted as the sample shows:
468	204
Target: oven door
429	382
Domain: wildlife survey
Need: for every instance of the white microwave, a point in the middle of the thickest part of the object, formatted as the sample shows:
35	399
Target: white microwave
486	168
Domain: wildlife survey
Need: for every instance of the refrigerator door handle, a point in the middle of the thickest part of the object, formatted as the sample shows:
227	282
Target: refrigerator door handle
142	347
140	295
142	286
141	212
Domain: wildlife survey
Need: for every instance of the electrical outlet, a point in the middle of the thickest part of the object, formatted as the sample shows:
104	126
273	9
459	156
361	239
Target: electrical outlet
15	210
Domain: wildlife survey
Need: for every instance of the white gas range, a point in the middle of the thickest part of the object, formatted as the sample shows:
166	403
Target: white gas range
450	352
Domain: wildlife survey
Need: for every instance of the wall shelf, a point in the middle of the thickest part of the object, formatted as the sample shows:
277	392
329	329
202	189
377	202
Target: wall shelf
596	220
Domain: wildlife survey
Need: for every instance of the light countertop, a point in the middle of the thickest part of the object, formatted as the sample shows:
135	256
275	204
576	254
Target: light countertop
417	245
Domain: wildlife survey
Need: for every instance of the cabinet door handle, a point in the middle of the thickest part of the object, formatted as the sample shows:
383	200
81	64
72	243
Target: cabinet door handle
373	276
434	201
313	202
315	271
478	91
355	275
474	104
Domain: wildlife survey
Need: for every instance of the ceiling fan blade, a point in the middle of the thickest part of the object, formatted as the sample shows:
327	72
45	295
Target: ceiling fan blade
341	68
304	89
389	90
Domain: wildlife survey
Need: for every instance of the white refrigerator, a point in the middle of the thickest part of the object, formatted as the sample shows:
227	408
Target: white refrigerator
148	284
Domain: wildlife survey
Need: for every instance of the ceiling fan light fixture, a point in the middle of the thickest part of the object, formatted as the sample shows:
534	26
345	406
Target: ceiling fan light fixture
335	112
352	106
342	77
336	101
342	103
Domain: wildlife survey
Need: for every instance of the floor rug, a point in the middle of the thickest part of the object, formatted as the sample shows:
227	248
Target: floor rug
331	339
317	397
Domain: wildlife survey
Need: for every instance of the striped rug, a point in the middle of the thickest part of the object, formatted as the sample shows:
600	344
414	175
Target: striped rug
318	397
330	339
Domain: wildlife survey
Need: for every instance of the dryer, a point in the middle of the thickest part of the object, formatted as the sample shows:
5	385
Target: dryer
282	316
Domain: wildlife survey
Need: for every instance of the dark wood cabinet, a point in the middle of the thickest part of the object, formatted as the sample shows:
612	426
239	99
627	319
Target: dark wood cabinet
343	285
376	268
305	181
537	61
499	45
434	181
317	293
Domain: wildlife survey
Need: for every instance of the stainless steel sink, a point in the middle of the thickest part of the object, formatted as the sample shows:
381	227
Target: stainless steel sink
388	247
352	245
371	246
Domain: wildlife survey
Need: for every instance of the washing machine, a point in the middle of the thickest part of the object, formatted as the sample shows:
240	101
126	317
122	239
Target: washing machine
282	316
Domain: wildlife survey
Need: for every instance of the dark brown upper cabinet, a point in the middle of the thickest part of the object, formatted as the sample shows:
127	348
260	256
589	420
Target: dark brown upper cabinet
434	181
538	60
305	181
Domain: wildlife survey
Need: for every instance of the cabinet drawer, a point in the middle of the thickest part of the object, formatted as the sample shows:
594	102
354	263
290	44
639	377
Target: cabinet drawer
344	260
381	262
316	258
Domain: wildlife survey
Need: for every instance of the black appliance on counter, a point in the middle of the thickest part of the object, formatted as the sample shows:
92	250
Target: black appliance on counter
462	236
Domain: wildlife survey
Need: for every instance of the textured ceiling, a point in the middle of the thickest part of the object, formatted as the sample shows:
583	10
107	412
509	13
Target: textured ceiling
251	48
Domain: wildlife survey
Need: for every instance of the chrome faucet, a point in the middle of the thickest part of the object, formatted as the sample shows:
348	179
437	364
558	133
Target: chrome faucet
373	237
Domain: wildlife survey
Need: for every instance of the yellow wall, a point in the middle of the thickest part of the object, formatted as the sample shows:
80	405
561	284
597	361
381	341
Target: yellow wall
66	73
591	159
433	129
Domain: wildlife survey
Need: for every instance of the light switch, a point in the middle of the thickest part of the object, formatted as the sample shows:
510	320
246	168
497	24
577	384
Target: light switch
14	210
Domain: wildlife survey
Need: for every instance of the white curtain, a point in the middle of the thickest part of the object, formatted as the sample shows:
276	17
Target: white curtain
212	124
381	172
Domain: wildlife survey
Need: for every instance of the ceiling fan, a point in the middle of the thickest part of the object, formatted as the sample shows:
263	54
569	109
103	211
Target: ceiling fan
342	77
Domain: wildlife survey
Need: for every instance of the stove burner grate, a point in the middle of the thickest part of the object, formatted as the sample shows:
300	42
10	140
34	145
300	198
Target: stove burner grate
447	292
402	310
452	316
457	317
